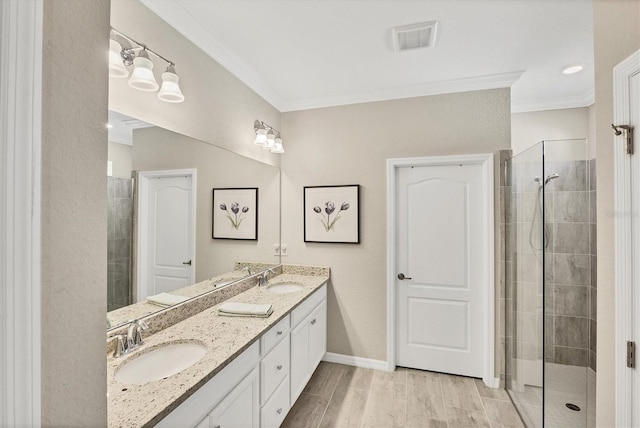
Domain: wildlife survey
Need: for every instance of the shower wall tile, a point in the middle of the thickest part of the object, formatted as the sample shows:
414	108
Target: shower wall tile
592	336
593	206
592	174
594	272
593	303
571	207
573	175
572	332
571	356
592	360
123	249
572	269
571	238
571	301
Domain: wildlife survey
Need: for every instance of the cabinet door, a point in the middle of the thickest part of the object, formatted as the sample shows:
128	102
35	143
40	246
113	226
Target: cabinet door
299	359
240	408
317	336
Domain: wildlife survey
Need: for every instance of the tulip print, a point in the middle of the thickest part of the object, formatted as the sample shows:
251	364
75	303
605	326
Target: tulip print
329	209
235	210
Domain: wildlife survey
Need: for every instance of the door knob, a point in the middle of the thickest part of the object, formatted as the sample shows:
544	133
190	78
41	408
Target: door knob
187	263
401	276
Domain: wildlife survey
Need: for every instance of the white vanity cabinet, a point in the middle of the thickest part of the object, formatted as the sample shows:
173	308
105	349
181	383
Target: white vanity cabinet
308	340
258	388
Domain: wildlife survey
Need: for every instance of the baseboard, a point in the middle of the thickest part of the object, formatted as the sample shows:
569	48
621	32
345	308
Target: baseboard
350	360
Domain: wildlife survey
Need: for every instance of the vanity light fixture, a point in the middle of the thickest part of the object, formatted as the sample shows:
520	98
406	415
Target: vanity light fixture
267	137
142	78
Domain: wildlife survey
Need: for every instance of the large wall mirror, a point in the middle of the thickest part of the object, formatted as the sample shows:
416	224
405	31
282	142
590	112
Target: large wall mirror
160	213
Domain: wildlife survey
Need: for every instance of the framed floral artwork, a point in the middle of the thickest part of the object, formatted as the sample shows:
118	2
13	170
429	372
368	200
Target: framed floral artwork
332	214
235	213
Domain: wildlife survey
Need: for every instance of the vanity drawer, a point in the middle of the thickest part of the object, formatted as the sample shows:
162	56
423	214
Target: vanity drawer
273	413
308	305
273	369
274	335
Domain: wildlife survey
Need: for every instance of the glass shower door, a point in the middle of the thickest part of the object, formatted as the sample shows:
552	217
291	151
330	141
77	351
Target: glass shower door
526	239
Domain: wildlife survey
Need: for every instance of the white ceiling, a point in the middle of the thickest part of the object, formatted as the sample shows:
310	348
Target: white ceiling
318	53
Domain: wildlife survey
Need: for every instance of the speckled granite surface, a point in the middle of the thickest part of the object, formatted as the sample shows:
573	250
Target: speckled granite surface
225	338
143	309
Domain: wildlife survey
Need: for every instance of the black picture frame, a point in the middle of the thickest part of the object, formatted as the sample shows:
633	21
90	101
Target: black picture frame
332	214
235	213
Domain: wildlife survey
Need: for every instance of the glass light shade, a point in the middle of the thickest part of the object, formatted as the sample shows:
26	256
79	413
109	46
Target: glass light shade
116	67
270	140
170	90
142	77
261	137
278	148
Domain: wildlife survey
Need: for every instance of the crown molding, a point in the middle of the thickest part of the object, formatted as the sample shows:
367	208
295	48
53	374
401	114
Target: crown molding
525	106
467	84
183	22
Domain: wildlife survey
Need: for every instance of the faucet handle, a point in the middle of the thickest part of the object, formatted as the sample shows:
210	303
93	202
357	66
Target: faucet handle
141	326
120	340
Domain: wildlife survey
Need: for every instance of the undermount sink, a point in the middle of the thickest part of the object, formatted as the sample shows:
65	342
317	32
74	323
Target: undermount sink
160	362
284	287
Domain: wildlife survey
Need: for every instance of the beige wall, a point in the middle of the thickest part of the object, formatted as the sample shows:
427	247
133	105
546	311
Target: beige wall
74	203
530	128
158	149
120	157
349	145
616	36
218	108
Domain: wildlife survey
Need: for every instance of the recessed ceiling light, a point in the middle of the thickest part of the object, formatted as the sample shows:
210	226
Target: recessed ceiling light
573	69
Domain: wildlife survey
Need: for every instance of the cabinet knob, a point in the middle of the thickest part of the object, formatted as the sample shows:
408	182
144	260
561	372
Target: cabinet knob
279	410
313	321
279	367
279	333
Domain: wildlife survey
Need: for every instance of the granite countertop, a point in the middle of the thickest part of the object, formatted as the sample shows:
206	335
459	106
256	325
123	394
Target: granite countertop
132	405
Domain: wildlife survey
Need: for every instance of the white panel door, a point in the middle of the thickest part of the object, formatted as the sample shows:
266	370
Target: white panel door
171	223
440	245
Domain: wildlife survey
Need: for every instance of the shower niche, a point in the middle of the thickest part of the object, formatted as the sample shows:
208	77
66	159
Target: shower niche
550	322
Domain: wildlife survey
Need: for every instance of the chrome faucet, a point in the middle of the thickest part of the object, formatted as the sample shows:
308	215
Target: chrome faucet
263	278
133	338
246	269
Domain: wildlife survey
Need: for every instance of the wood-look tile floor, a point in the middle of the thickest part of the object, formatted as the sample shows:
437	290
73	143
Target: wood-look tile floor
343	397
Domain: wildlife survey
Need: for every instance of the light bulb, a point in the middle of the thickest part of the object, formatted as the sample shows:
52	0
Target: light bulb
170	90
116	67
142	77
270	140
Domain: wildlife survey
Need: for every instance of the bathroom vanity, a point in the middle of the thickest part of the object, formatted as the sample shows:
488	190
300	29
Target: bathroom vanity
252	370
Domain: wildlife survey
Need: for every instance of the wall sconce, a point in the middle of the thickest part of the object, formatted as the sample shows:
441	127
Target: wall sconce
142	77
267	137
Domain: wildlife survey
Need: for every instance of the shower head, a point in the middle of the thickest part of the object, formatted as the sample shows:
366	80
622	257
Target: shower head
546	180
551	177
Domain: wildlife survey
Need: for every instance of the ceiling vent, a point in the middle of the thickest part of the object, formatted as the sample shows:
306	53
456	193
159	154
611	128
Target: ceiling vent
415	36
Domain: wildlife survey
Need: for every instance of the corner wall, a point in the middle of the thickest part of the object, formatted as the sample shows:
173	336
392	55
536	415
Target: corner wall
349	145
74	206
616	36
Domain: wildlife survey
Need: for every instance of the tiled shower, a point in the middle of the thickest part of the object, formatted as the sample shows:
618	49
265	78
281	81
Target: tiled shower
119	230
550	296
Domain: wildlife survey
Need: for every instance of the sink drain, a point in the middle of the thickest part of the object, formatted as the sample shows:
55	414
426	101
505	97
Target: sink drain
573	407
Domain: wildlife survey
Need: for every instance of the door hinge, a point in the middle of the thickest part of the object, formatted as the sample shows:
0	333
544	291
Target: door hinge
628	131
631	354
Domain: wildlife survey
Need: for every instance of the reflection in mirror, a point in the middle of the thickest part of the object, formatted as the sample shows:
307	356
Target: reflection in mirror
160	246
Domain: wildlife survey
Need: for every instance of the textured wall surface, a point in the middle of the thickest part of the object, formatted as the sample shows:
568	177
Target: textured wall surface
616	36
74	206
349	145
